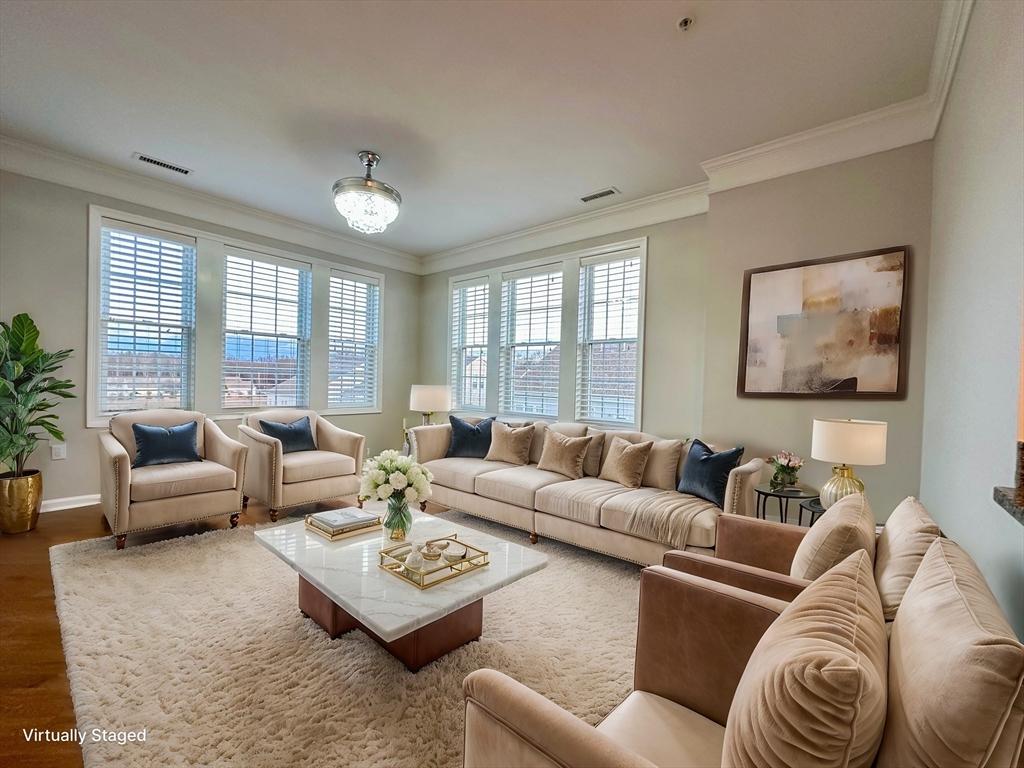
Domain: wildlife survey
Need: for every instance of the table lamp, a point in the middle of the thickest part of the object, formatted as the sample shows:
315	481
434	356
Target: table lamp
429	399
844	442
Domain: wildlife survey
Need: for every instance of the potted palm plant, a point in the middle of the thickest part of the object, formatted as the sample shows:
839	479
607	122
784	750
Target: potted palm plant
28	394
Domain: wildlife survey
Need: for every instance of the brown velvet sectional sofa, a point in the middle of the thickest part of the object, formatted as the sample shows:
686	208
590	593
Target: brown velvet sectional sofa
639	525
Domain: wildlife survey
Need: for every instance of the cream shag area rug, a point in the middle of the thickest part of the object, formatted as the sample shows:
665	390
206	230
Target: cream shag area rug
199	640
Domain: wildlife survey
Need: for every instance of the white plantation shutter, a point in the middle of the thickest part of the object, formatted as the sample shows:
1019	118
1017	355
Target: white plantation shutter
606	353
147	319
353	330
531	328
266	331
470	303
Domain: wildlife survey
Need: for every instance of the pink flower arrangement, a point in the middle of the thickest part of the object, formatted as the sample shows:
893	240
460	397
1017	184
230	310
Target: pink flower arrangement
786	460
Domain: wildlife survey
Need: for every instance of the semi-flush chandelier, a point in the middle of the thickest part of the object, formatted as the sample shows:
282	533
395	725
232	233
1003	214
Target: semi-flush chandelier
367	204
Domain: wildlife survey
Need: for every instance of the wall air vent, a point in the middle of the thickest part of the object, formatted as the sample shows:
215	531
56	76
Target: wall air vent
598	195
163	164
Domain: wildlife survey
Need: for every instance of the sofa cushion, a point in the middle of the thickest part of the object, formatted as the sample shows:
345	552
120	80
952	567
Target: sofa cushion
706	473
510	444
299	466
121	425
905	538
469	441
461	474
814	689
592	464
162	481
564	455
664	732
662	465
295	435
846	526
955	670
625	462
577	499
537	444
517	486
165	445
667	517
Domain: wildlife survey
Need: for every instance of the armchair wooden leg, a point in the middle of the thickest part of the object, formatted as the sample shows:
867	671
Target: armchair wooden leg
534	538
119	540
234	520
273	515
245	502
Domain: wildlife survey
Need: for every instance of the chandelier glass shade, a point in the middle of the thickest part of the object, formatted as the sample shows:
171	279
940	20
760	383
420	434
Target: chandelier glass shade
368	205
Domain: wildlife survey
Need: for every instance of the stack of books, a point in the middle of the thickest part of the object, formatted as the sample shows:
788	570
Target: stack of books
337	524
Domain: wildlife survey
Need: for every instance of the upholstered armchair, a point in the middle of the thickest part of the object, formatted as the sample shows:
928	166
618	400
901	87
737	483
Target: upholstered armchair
280	479
139	498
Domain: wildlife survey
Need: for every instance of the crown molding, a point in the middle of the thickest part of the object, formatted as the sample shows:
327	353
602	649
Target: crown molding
655	209
880	130
27	159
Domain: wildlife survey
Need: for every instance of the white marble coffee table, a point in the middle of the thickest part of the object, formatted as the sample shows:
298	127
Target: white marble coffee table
342	587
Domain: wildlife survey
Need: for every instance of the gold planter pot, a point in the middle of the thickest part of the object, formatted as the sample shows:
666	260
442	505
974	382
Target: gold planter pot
20	500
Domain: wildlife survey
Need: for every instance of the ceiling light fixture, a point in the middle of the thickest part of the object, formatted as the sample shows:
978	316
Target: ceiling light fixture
368	205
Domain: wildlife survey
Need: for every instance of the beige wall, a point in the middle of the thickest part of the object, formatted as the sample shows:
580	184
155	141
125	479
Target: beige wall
674	320
975	294
43	271
872	202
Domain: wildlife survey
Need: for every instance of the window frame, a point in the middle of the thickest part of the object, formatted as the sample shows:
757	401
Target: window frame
453	286
362	275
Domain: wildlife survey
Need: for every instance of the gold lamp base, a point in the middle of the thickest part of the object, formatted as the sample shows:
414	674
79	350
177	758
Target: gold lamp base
842	483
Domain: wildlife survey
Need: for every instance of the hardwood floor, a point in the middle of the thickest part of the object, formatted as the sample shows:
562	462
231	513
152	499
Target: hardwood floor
34	689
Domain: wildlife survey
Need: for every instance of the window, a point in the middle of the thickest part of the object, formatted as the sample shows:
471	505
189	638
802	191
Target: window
470	300
531	328
146	330
606	354
266	332
353	329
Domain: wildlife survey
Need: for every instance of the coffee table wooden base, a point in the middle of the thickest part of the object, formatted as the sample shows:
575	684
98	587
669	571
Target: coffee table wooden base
416	649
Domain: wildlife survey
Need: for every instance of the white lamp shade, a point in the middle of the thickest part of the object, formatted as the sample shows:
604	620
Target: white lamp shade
430	398
849	441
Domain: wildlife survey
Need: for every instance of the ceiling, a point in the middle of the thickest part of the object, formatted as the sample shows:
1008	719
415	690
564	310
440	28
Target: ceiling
490	117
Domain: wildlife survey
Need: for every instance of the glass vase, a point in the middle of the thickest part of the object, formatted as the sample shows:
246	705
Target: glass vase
398	519
783	478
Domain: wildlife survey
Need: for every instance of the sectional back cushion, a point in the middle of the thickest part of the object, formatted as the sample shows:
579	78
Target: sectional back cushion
165	445
907	535
955	670
662	467
625	462
846	526
510	444
706	473
469	441
564	455
295	436
814	690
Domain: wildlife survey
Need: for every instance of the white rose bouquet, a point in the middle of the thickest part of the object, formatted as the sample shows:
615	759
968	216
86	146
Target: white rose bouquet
399	481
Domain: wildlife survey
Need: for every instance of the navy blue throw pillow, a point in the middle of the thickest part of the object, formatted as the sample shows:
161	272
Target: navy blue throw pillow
706	473
165	445
469	441
297	436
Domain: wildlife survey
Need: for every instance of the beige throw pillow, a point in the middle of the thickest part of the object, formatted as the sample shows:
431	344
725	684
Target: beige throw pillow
662	465
814	690
510	444
955	670
846	526
564	455
592	464
905	538
625	462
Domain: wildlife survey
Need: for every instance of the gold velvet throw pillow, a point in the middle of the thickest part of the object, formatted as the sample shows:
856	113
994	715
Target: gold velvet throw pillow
510	444
564	455
625	462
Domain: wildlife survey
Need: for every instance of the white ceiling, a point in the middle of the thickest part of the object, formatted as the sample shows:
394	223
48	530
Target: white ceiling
490	117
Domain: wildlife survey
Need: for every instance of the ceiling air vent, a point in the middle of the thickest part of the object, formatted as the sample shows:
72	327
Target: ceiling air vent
162	164
598	195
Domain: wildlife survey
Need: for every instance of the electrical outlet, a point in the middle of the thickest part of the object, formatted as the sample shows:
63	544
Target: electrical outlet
58	451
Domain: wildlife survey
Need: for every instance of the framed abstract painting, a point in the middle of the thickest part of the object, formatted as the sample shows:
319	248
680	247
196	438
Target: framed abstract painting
826	328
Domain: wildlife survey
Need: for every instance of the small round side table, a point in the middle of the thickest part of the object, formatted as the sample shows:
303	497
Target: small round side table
785	495
814	507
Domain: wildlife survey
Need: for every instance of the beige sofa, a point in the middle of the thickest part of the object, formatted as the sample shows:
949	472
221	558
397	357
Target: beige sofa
168	494
282	480
638	525
944	689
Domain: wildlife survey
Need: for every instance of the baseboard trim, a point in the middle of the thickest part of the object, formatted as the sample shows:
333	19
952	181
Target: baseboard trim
70	502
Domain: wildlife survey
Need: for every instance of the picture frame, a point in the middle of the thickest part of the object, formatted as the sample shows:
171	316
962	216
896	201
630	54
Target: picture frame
829	328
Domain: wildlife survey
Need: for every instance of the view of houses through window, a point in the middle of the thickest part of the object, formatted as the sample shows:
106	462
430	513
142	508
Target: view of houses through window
469	344
531	331
353	329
